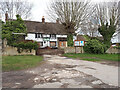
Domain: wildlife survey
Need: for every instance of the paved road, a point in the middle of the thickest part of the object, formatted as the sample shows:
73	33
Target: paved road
107	74
100	74
62	72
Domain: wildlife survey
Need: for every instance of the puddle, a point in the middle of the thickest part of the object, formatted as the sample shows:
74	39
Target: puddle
90	68
64	66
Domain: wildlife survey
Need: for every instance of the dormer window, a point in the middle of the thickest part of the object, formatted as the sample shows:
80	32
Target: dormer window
53	36
38	35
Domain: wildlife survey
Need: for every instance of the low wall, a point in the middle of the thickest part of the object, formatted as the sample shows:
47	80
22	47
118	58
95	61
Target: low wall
73	50
113	50
13	51
49	51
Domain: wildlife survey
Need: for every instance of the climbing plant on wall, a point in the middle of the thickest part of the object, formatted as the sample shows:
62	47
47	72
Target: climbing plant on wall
70	40
13	26
17	26
107	31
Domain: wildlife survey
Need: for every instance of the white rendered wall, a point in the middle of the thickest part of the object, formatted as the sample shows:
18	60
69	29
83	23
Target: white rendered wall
51	39
46	35
31	36
65	36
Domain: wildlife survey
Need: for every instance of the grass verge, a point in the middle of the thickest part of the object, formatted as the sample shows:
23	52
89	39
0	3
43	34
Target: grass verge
12	63
93	57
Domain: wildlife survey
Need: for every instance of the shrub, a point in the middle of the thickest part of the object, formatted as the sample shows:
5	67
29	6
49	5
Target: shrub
117	47
28	45
94	46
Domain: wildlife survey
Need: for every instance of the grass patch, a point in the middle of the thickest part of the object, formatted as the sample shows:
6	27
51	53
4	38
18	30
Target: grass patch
12	63
93	57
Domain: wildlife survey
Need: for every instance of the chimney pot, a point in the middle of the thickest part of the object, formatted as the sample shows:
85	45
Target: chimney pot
43	19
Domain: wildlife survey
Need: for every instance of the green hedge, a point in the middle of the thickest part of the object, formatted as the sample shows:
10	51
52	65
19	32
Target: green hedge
94	46
28	45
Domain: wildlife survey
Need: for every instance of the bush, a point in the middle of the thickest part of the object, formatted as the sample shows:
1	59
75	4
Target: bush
94	46
28	45
117	47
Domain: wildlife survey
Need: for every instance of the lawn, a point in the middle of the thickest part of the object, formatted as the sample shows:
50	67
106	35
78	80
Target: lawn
12	63
93	57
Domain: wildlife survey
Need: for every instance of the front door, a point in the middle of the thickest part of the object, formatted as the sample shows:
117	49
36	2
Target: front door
62	44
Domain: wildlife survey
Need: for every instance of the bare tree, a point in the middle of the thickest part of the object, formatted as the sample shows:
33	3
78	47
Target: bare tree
90	25
70	13
107	16
106	11
102	14
14	7
92	29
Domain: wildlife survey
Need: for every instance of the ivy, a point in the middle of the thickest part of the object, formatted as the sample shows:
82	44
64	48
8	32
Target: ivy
107	31
13	26
70	40
17	26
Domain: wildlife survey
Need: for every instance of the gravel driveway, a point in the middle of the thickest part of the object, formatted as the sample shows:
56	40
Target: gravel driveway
62	72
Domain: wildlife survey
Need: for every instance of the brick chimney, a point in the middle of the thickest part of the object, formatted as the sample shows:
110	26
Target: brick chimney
6	16
43	19
57	20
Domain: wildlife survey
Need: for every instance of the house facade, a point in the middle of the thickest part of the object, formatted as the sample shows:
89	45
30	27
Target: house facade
53	35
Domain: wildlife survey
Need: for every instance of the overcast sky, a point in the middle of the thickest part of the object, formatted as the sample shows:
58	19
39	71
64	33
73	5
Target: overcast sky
40	8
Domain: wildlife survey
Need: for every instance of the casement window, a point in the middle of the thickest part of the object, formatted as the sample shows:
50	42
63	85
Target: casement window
53	36
38	35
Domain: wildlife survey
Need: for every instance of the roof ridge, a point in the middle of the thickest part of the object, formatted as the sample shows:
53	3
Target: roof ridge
36	21
42	22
